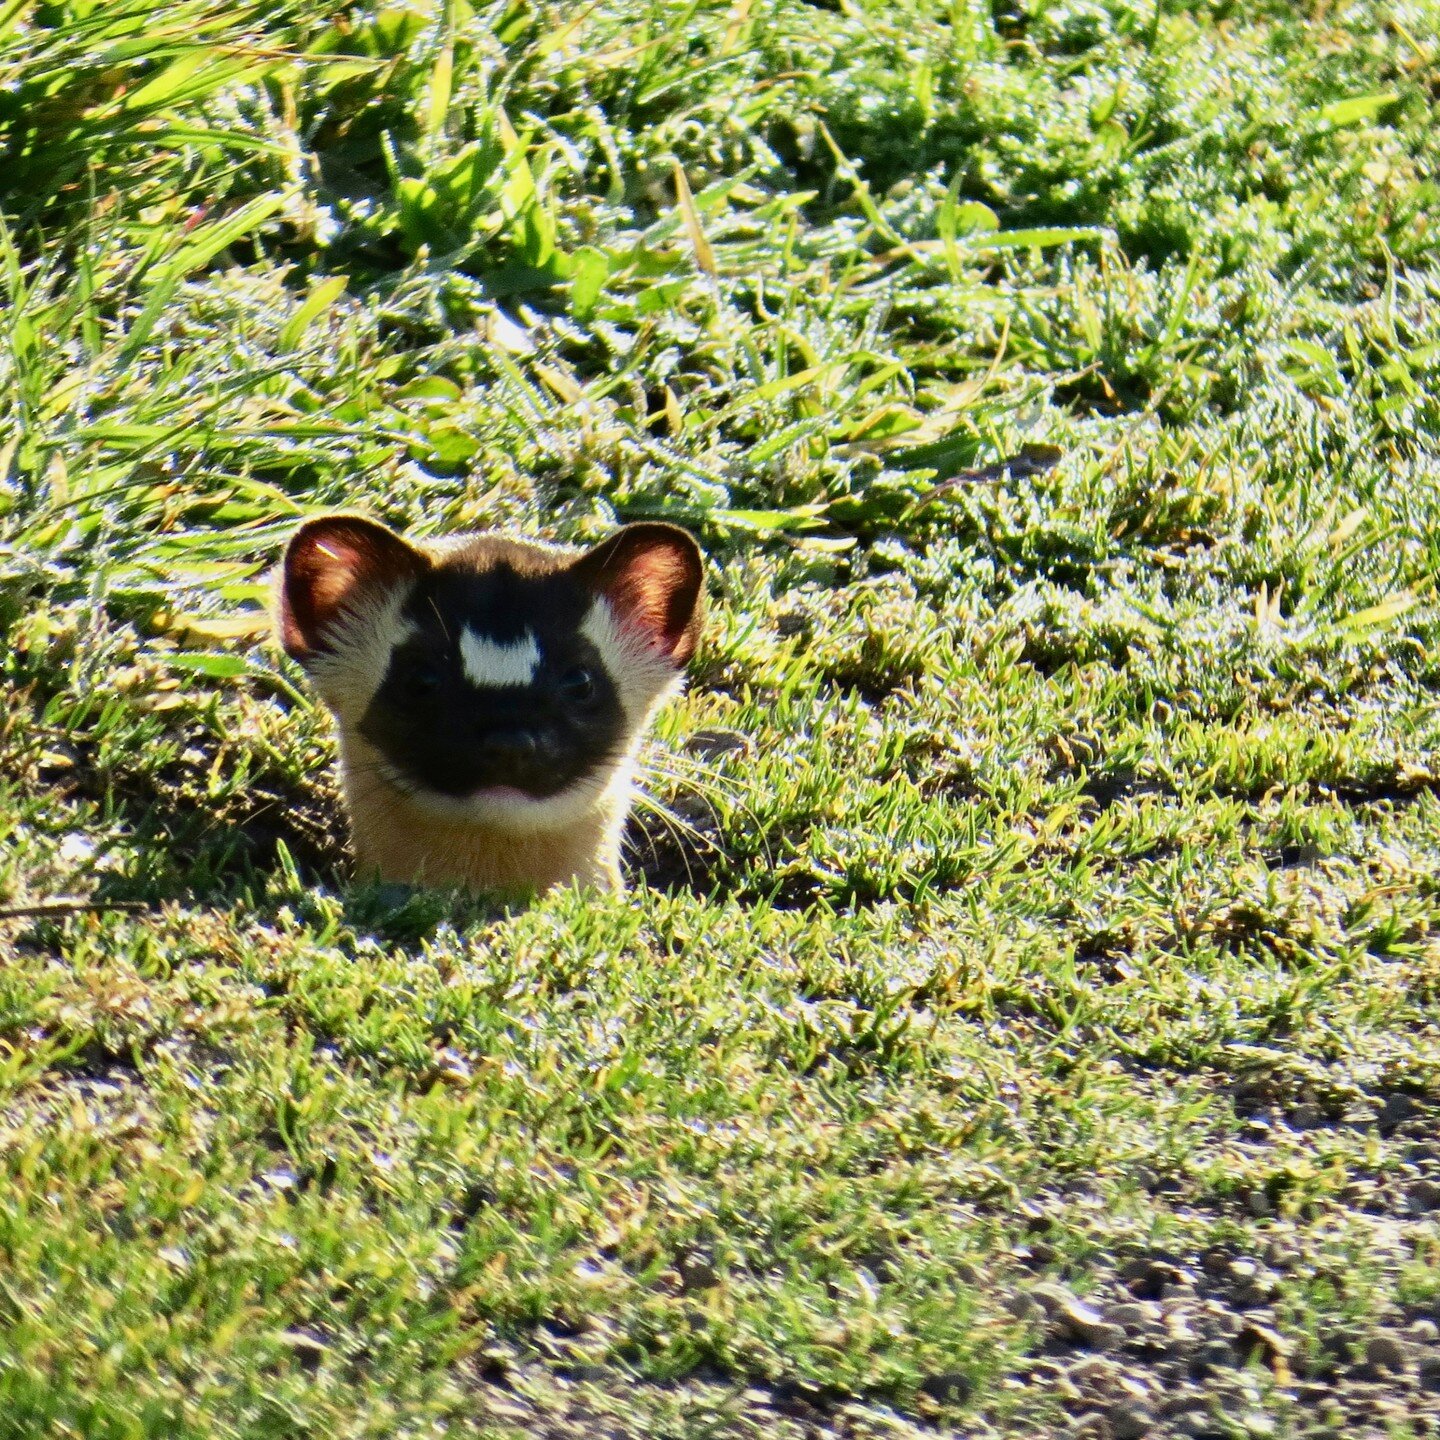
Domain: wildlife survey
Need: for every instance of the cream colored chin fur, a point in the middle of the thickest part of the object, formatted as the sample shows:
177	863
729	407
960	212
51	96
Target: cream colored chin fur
401	837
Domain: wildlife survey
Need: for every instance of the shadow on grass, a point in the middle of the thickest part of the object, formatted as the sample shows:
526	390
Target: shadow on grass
182	843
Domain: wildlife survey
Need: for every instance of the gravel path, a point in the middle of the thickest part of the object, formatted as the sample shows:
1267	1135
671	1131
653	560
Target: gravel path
1232	1340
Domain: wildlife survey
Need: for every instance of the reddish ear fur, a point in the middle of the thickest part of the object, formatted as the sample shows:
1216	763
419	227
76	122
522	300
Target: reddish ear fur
654	577
328	563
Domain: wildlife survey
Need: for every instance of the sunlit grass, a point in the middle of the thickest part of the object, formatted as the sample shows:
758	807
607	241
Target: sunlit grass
1056	390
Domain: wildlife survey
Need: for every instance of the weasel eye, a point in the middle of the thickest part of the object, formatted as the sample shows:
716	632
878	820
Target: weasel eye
420	681
577	684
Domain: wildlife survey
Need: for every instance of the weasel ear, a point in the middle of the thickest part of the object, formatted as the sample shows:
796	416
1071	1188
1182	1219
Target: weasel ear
653	576
328	564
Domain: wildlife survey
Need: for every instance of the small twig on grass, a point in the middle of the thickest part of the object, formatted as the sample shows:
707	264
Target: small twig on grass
69	905
1032	460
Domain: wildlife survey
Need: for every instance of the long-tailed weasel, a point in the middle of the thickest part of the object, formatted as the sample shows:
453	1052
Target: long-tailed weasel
490	692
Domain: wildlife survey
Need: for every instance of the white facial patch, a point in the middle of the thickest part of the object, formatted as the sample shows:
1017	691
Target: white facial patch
641	674
488	664
348	672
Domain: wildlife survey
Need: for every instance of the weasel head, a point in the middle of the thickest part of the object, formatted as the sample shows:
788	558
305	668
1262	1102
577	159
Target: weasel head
490	679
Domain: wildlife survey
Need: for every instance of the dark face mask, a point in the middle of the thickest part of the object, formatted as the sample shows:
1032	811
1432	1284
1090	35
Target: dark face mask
496	686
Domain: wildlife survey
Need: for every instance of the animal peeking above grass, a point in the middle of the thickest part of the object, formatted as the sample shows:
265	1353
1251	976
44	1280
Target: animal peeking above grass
490	693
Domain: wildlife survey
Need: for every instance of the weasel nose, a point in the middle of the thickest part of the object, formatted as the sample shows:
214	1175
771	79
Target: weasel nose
511	745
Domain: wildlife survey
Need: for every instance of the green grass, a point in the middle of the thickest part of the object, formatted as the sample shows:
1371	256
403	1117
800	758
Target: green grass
1042	871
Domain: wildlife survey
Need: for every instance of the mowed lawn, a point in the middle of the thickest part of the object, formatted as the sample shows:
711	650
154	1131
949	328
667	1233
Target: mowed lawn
1026	1017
